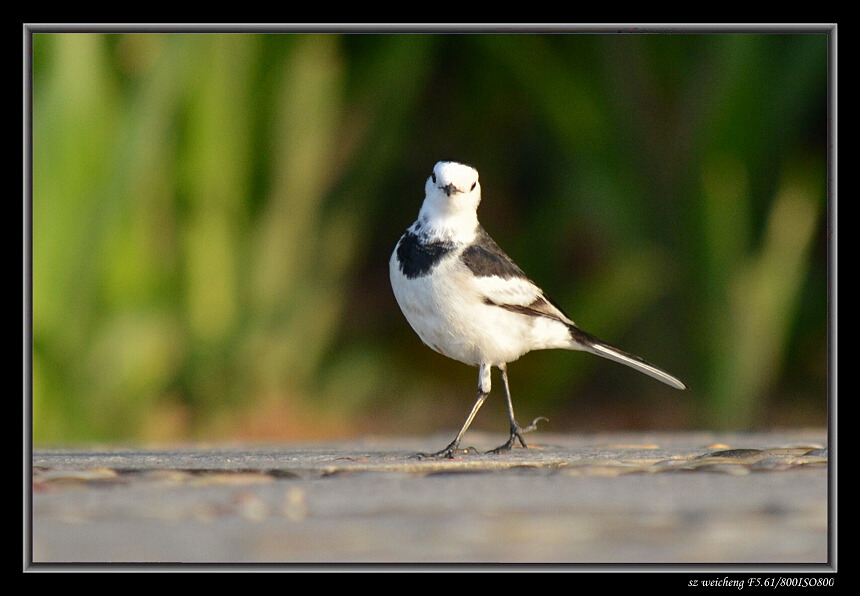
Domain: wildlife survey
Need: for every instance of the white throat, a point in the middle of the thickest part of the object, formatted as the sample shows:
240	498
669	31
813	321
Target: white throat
450	208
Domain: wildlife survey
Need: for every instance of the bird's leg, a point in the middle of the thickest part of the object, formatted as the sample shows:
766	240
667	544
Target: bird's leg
516	430
452	448
483	392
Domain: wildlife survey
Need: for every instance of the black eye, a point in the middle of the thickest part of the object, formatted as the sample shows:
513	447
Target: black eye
433	177
474	184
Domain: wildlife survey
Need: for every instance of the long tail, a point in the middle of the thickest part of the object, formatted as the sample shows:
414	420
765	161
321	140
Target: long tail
586	341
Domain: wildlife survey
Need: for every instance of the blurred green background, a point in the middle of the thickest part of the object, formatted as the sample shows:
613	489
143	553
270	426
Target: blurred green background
212	217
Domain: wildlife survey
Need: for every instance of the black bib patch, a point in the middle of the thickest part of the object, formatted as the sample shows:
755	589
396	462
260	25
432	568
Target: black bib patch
417	258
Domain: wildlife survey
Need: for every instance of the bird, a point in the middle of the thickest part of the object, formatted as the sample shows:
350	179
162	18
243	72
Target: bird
465	297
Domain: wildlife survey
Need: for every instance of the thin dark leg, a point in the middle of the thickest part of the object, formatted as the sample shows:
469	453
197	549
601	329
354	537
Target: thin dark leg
483	391
452	447
516	430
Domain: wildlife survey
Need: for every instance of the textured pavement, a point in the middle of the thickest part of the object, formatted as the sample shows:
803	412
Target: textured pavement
642	498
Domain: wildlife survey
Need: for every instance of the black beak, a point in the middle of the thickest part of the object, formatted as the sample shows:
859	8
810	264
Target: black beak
450	189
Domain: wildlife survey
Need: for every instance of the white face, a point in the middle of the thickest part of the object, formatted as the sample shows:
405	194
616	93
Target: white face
453	189
452	178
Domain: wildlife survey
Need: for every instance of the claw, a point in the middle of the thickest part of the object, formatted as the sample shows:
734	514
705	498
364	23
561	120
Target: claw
448	452
533	425
507	446
517	434
444	454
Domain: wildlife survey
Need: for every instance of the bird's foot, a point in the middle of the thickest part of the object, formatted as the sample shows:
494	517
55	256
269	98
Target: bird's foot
533	425
517	435
448	452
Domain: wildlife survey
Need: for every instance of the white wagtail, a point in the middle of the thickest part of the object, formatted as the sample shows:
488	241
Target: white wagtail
466	299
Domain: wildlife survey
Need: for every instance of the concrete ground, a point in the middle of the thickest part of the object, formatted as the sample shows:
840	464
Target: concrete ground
571	500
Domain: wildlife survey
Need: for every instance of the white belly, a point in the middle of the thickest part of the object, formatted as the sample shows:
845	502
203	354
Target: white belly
447	311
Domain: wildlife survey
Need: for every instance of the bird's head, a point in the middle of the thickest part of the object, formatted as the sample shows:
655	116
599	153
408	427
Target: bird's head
452	195
456	181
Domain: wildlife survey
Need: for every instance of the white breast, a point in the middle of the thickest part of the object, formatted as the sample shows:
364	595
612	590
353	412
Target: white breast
448	312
